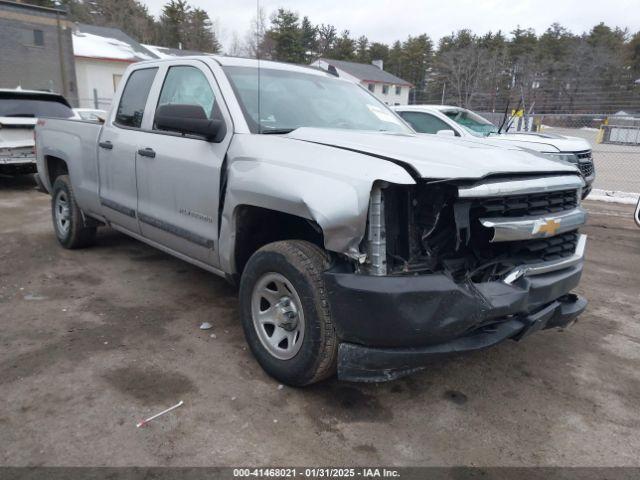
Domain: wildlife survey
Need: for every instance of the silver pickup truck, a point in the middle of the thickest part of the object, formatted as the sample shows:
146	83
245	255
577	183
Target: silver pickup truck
359	247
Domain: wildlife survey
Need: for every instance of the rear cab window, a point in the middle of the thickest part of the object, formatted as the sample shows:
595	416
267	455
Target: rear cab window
134	98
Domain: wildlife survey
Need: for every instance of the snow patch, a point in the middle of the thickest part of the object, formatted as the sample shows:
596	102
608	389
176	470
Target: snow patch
89	45
158	51
629	198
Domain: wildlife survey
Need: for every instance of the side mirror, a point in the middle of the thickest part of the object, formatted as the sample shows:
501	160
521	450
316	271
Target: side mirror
189	119
446	133
636	217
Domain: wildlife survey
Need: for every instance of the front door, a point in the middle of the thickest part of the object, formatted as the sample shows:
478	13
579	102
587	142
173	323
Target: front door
179	175
117	147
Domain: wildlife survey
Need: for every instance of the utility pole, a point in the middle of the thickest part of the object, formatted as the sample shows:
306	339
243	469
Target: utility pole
444	89
63	72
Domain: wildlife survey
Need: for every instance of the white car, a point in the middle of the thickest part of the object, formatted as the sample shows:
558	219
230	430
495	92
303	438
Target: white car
460	122
19	112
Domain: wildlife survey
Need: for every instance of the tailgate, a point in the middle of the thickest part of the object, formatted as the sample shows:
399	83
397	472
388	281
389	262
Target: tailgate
16	139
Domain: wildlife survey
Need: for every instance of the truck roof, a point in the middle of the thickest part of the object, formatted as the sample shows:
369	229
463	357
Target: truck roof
440	108
245	62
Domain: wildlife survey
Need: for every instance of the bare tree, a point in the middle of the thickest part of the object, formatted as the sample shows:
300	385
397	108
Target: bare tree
254	43
236	48
464	69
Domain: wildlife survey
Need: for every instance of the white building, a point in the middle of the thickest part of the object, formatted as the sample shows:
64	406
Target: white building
102	55
388	88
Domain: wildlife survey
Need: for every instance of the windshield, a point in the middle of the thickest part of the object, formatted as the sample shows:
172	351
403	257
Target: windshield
473	122
31	108
289	100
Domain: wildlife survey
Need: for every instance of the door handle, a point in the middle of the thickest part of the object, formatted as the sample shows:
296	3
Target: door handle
108	145
147	152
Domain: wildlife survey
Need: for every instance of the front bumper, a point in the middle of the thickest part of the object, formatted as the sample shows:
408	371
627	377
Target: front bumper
390	326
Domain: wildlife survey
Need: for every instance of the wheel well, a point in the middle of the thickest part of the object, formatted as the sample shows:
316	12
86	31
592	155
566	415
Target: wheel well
257	226
55	167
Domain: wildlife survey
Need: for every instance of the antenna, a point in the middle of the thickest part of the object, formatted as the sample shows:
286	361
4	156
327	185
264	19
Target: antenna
258	58
504	118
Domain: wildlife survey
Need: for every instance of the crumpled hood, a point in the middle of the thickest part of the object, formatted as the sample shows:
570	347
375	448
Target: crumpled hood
543	142
16	132
435	157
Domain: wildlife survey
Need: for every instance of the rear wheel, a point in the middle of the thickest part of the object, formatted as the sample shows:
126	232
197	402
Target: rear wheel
285	312
68	221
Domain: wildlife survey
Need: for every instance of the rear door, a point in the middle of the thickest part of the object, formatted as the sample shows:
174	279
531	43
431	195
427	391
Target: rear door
179	175
117	149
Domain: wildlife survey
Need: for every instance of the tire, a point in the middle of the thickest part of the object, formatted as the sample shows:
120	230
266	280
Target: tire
68	222
280	278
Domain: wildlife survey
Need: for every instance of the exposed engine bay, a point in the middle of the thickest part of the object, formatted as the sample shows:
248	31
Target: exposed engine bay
429	228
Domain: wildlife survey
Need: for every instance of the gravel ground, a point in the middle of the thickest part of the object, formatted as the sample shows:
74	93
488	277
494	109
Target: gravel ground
94	340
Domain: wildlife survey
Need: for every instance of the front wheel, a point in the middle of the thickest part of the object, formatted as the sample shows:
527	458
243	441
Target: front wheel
285	312
68	222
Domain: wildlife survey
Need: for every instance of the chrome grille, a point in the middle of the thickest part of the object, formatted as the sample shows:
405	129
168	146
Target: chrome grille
585	163
524	205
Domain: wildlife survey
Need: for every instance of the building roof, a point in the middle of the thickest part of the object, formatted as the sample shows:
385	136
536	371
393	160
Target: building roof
107	43
366	72
166	52
33	8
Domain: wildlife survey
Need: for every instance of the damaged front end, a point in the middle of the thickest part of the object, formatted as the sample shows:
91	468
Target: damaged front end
454	266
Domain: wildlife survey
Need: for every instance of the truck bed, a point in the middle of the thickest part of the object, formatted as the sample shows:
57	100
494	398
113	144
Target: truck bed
75	142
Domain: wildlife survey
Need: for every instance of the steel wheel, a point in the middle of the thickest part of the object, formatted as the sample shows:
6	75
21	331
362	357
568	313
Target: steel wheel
62	212
277	315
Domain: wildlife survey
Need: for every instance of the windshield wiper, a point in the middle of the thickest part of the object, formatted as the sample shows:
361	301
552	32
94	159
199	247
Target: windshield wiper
277	131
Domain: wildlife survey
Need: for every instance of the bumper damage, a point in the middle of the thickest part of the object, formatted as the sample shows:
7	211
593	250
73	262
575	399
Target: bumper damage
392	326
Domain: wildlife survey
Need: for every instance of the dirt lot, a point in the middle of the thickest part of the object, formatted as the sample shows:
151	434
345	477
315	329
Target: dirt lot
94	340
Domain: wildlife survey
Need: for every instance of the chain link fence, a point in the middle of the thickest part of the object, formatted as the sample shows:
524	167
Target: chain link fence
615	140
95	103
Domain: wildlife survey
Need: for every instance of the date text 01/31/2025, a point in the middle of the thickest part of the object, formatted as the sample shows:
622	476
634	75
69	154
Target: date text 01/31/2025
315	473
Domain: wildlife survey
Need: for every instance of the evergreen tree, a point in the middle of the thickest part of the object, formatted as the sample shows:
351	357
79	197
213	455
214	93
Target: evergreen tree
309	39
286	35
379	51
344	48
173	23
362	50
199	33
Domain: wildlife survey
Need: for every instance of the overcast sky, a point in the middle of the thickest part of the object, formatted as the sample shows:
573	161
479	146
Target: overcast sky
390	20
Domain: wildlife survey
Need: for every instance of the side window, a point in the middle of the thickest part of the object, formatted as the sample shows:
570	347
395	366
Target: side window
425	123
134	98
38	38
187	85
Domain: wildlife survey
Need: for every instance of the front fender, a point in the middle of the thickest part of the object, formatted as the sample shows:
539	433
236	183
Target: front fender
328	186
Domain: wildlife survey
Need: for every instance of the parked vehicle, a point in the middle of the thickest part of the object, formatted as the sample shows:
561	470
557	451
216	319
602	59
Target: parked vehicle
19	110
460	122
91	114
359	246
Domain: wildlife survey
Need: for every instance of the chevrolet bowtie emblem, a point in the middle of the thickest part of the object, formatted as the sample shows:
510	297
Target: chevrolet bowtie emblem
548	227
